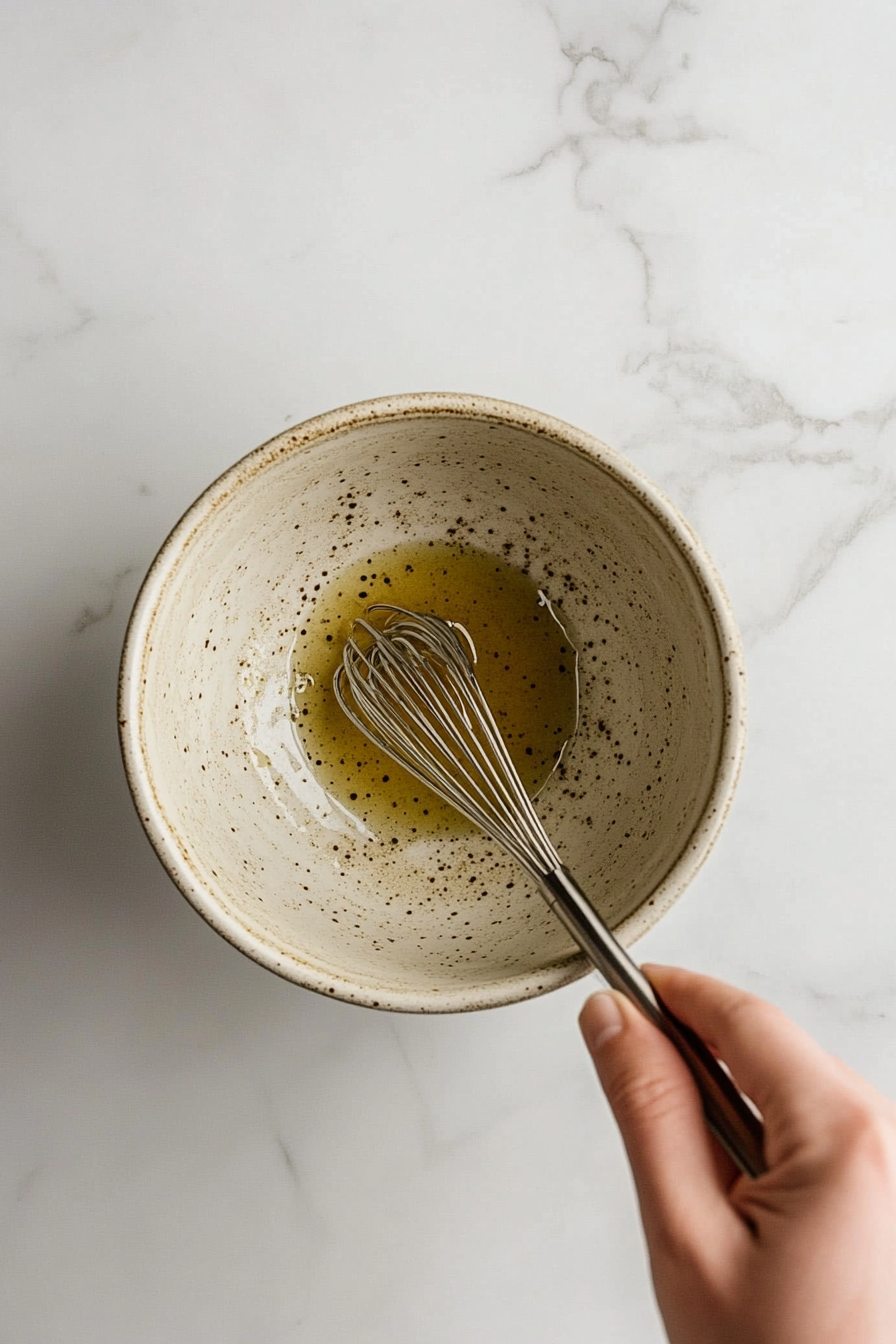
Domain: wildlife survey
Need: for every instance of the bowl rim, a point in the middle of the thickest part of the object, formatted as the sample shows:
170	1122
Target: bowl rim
299	438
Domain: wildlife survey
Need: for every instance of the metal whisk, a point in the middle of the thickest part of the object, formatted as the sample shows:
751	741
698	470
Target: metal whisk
407	682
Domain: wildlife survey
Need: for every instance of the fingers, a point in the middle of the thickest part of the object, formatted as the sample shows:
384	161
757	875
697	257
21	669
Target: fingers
681	1177
772	1059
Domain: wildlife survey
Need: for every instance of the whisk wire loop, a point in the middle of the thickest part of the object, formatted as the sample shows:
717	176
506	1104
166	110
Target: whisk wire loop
411	688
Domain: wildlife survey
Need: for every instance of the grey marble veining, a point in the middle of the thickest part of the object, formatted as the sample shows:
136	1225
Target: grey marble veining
669	223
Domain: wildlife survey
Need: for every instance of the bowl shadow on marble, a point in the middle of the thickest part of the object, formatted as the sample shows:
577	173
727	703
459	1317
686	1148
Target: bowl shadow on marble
92	902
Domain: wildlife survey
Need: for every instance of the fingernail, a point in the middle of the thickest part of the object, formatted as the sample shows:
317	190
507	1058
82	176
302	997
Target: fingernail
603	1021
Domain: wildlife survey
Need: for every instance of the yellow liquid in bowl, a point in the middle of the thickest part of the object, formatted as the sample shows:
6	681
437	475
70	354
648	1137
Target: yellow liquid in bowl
526	668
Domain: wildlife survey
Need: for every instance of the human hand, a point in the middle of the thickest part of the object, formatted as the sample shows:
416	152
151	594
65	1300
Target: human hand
804	1254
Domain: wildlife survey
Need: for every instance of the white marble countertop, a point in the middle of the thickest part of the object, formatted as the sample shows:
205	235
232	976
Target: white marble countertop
670	223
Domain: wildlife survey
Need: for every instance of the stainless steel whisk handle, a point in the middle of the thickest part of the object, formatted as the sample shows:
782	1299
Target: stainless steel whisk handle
728	1115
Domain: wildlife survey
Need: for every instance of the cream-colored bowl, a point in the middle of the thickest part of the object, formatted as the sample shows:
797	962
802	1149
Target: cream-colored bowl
650	774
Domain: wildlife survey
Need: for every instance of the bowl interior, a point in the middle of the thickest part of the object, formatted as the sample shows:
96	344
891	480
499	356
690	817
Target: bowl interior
291	882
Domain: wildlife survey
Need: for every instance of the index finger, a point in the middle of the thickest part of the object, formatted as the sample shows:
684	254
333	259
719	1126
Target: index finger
777	1064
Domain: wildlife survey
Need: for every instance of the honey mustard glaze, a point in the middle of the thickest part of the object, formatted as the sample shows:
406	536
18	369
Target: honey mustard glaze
526	667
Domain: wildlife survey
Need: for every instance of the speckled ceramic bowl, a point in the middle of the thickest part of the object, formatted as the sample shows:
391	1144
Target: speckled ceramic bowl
650	774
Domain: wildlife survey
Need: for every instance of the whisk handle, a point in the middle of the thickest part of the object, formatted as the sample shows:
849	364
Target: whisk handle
729	1116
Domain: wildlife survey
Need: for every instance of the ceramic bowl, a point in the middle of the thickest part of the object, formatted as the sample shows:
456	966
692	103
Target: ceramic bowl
649	776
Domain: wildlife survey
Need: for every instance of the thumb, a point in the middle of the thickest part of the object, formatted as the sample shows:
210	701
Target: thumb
681	1183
